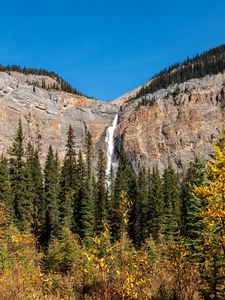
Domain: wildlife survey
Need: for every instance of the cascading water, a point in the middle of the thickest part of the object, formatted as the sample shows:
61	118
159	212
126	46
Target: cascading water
110	148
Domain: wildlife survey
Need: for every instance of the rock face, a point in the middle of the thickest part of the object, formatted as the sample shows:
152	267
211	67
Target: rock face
46	115
182	124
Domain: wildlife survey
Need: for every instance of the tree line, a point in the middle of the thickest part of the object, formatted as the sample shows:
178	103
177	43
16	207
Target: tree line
60	84
208	63
75	194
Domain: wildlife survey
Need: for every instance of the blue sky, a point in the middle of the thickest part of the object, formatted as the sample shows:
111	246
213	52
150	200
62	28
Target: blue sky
105	48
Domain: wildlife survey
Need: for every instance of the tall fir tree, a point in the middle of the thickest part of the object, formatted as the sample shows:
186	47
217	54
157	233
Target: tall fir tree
84	208
20	182
51	193
192	221
88	199
68	183
139	226
155	205
172	202
101	201
89	152
35	173
5	188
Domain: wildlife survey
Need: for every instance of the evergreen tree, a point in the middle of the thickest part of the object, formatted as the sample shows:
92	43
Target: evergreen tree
88	185
155	205
68	183
139	217
192	205
87	209
20	183
89	153
37	189
101	209
5	188
51	189
171	194
84	209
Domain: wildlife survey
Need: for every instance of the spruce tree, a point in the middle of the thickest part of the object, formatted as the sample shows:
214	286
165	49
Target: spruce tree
68	182
88	185
138	220
89	152
20	182
5	188
101	209
192	220
171	194
36	176
84	208
51	189
87	209
155	205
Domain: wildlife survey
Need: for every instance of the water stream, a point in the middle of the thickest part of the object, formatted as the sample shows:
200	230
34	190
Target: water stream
110	148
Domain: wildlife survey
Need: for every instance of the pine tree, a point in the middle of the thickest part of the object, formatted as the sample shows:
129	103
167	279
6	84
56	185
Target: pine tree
155	205
171	194
88	198
89	152
51	189
84	208
139	228
101	209
192	206
35	173
87	210
68	182
20	183
5	188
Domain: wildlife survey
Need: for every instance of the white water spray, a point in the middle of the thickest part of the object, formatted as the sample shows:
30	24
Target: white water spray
110	148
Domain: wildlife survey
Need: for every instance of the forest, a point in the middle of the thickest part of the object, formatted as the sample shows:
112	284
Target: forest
65	235
208	63
60	85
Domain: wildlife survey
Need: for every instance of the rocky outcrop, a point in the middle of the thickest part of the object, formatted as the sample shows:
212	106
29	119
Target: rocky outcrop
46	115
182	124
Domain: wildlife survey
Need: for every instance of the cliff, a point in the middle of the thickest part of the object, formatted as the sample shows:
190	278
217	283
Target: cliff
47	114
181	123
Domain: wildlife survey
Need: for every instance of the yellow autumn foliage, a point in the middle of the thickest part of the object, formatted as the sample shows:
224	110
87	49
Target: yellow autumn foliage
213	213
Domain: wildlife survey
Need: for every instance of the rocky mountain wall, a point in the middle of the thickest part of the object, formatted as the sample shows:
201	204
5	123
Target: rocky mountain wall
46	115
182	124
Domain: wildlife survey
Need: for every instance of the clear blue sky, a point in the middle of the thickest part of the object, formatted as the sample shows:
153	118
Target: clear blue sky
105	48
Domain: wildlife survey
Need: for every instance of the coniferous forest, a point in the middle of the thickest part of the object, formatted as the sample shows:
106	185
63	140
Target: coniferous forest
65	235
208	63
60	83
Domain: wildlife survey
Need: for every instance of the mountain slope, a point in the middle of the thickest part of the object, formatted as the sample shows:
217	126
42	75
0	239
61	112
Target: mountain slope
173	118
181	123
47	114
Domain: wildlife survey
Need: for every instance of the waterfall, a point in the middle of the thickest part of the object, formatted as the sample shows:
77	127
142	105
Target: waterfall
110	148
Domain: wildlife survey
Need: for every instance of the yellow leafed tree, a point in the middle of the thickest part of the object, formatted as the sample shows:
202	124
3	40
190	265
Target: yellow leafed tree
213	213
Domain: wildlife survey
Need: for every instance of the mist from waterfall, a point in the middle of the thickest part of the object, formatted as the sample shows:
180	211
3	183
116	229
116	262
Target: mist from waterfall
110	148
